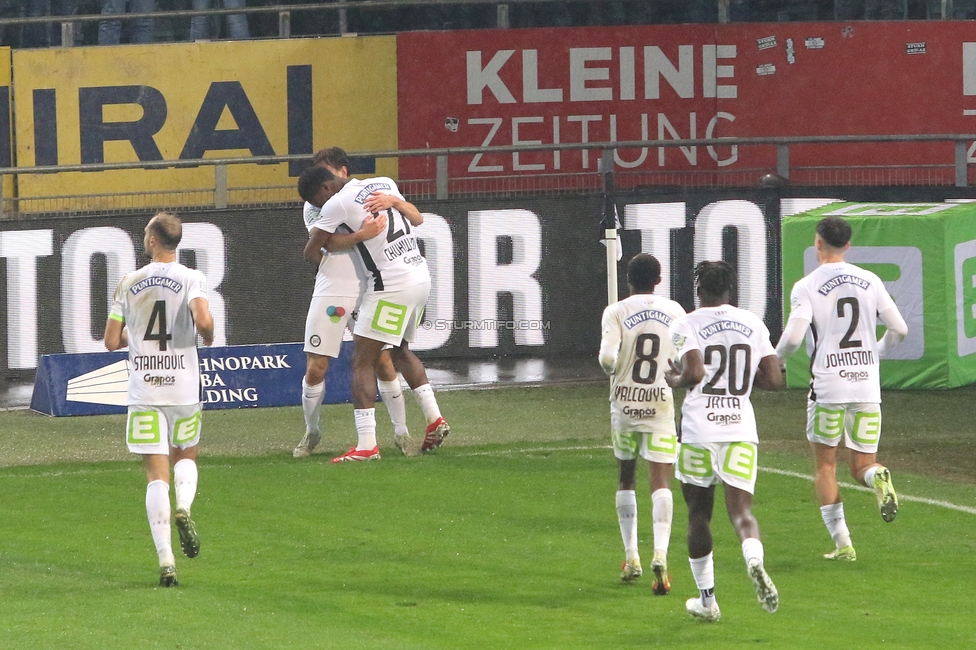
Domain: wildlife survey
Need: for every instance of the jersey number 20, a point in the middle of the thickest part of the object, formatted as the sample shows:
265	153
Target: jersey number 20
730	359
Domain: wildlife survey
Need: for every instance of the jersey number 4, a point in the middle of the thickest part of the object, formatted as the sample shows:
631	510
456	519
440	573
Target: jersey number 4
156	331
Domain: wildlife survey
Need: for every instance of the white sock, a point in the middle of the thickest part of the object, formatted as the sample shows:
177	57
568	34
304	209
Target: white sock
627	518
833	518
366	428
185	483
663	512
752	549
703	570
311	402
869	475
157	509
428	403
392	394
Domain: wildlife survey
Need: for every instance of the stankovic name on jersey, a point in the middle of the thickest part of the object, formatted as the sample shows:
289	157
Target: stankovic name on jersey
159	362
852	358
835	282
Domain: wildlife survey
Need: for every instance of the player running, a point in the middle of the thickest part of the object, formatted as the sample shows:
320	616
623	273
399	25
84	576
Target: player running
838	306
633	349
723	351
158	311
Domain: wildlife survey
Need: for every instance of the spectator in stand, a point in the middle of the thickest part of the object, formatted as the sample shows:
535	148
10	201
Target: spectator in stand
236	23
110	31
46	35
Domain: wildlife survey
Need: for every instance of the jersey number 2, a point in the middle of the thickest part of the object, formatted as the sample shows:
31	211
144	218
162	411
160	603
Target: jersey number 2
156	331
847	341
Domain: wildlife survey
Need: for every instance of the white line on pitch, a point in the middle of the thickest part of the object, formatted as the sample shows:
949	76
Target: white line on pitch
771	470
506	452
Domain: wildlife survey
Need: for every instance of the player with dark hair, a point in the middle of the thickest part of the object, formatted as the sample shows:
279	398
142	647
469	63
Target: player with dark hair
838	306
397	291
722	351
340	281
158	311
633	349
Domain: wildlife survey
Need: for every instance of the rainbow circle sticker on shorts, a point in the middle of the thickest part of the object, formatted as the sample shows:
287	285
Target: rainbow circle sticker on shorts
335	313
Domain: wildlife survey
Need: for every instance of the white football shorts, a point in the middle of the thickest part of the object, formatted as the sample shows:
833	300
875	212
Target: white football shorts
326	323
709	463
392	316
858	423
154	429
657	446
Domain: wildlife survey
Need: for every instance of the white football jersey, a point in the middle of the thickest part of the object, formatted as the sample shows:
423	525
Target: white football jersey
842	302
732	342
154	304
637	342
340	273
392	258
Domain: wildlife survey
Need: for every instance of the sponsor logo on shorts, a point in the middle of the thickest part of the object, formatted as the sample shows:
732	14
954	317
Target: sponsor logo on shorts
144	428
335	314
389	317
315	341
724	419
854	375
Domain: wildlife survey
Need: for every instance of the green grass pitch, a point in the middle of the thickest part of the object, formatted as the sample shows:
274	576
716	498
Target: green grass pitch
506	537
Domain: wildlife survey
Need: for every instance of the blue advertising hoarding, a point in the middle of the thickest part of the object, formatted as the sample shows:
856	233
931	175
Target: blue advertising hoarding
236	376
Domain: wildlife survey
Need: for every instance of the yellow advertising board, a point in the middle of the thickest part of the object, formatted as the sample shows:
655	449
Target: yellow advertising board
184	101
6	147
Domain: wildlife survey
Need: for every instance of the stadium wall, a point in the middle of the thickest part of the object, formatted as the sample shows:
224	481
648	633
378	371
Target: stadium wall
511	276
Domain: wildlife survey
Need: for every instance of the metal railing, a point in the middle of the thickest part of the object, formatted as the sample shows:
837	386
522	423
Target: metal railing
939	9
441	185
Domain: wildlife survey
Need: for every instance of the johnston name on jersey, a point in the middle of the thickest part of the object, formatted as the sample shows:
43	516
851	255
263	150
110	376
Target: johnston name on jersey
732	342
392	259
841	302
635	347
154	303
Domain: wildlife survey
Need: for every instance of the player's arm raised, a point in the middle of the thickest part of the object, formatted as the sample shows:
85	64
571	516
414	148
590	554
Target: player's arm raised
377	202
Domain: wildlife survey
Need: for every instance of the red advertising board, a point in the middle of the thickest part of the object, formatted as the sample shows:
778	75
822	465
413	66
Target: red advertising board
535	86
